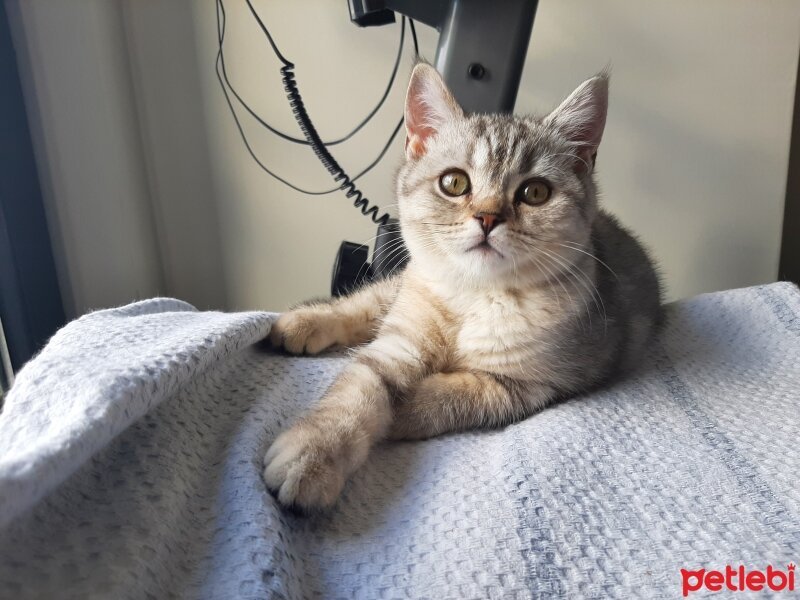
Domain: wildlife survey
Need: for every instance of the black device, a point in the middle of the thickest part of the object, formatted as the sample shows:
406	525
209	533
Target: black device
481	52
352	268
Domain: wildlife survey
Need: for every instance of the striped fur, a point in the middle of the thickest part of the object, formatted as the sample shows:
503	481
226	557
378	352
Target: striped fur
473	336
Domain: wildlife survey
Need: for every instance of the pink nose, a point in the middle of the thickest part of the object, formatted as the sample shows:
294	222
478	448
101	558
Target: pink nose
488	221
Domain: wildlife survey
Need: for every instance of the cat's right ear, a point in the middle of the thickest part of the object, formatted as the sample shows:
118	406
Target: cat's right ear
429	104
581	118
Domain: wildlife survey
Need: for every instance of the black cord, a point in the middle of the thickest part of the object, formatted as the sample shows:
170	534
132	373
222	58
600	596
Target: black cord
221	22
298	109
344	138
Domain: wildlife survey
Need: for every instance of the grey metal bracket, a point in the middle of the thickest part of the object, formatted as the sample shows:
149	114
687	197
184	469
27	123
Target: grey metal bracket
482	44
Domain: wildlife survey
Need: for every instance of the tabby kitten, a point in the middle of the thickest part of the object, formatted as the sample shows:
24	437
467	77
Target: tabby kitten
519	291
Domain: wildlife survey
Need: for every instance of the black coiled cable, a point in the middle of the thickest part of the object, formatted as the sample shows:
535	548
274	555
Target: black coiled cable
325	157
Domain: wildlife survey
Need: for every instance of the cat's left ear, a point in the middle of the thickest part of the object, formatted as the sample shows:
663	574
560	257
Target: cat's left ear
581	118
429	105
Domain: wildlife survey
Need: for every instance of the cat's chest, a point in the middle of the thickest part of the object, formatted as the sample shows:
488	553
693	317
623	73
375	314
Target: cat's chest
502	333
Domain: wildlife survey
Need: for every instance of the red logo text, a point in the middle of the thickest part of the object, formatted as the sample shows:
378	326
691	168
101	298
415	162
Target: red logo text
738	580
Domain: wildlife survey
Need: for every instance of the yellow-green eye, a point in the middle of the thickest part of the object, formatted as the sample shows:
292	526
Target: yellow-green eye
533	192
454	183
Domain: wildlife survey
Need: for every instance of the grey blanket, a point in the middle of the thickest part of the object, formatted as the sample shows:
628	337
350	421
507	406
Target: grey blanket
131	448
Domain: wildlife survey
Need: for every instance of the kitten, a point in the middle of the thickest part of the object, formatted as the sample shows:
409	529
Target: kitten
519	291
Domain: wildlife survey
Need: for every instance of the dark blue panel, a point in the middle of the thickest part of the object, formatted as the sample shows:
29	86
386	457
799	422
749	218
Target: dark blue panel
30	301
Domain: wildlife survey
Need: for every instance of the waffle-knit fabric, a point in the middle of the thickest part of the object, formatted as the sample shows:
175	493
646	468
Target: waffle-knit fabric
131	453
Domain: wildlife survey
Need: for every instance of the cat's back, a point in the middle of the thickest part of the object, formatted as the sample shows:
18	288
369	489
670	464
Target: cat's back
629	283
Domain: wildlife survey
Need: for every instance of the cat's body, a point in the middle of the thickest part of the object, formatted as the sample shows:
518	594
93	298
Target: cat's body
519	291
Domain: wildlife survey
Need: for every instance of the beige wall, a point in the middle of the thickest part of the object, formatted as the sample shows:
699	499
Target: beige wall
694	156
697	141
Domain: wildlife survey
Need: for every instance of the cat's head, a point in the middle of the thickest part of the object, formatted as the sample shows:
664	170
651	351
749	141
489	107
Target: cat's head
488	198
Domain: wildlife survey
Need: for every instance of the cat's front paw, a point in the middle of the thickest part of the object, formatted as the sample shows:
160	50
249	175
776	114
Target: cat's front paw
305	468
307	330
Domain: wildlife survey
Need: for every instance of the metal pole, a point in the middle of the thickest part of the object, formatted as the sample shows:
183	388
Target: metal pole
482	48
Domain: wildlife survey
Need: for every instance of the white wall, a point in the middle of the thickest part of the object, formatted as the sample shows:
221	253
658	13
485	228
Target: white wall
177	154
145	154
112	93
76	79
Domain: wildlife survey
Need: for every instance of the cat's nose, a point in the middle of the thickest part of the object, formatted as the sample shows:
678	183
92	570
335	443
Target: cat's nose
489	221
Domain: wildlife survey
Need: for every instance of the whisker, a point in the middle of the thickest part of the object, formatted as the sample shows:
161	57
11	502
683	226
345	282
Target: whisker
588	166
585	281
590	255
567	270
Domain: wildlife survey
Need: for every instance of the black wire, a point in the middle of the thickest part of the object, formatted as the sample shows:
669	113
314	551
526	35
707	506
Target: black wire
220	68
221	36
296	140
304	121
277	52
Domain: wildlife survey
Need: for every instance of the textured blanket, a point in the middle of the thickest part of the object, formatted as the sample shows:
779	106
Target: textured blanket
131	449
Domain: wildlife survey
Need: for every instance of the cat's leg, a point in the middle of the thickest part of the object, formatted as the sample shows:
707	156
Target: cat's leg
462	400
346	321
308	464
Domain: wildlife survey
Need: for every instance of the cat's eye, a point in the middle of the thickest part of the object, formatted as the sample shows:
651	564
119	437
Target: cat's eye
454	183
533	192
